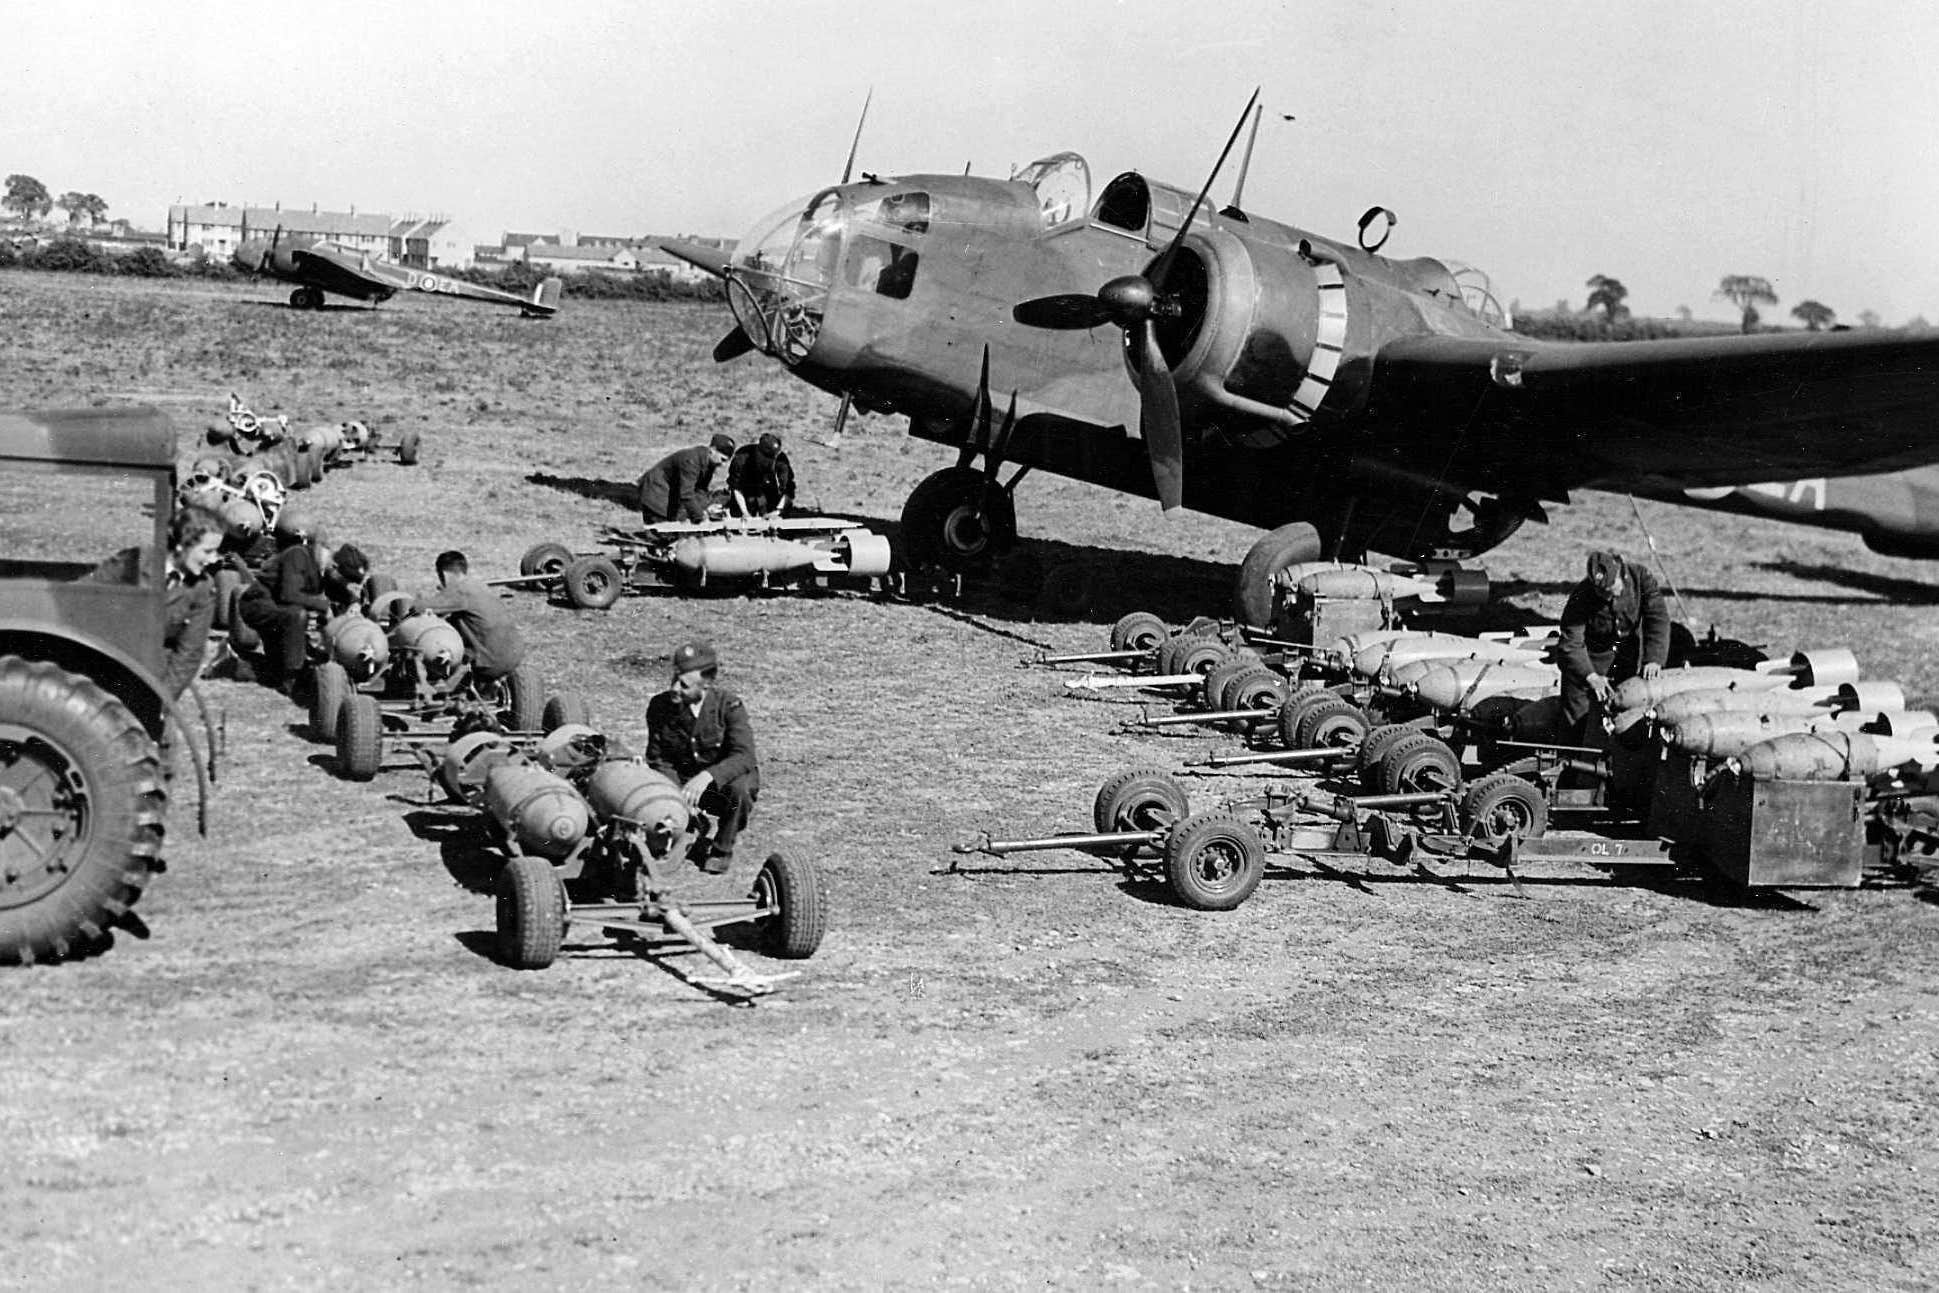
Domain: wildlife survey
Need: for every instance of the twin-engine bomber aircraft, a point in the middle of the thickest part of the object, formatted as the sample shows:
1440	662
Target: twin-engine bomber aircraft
319	266
1341	399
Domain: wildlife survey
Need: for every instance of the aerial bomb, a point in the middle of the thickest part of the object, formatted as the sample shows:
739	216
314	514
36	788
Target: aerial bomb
637	793
1391	655
1835	756
1804	669
538	811
1782	700
740	555
429	638
357	644
1465	683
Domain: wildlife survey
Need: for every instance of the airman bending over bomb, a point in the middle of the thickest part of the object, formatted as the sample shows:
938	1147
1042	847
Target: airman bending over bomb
474	608
698	734
1614	626
760	479
676	487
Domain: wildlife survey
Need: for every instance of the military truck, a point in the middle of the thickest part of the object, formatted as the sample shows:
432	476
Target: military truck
82	708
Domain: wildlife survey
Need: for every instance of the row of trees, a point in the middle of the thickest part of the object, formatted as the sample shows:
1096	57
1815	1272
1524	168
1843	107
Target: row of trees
1745	291
28	199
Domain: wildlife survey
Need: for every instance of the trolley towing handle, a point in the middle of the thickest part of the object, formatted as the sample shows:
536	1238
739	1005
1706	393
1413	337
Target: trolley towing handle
1097	839
1146	719
1087	657
1313	754
1091	682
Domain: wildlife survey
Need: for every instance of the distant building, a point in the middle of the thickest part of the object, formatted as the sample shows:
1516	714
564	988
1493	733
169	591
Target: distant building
579	257
219	228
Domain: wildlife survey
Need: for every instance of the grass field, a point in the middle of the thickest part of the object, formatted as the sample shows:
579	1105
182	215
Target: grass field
1030	1073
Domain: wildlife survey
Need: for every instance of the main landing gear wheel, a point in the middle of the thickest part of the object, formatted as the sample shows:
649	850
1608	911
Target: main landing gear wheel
1252	596
307	298
1213	862
81	804
531	913
956	519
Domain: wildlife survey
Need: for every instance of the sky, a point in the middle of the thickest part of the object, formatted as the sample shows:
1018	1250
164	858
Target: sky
1664	142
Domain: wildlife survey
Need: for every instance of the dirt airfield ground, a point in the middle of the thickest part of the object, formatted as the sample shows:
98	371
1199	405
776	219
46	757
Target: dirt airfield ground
1034	1073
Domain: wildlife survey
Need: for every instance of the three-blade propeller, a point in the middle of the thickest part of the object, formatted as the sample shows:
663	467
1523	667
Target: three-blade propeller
1134	302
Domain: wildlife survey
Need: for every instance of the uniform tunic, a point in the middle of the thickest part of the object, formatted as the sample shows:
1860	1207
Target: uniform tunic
675	488
491	636
188	612
764	482
718	740
1614	637
278	606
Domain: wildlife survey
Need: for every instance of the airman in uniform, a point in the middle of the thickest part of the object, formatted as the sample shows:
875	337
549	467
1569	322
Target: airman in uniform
698	734
1615	625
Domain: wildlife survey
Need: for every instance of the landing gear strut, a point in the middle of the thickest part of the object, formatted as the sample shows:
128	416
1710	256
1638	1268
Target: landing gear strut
960	518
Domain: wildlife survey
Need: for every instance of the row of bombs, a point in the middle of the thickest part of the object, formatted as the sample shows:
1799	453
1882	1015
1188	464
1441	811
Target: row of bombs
245	433
248	490
1392	707
586	834
390	668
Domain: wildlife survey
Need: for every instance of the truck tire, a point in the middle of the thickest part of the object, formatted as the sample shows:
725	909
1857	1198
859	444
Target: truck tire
329	688
1214	861
792	887
71	754
531	906
360	737
593	583
1139	799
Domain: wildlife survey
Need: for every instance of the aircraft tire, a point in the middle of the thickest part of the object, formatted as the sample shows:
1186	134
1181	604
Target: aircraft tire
90	762
1252	596
941	524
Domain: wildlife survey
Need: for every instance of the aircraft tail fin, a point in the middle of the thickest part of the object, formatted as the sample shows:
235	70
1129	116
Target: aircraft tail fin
545	298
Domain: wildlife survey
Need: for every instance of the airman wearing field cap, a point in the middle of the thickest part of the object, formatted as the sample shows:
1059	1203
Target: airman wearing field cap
698	733
760	479
676	487
1614	626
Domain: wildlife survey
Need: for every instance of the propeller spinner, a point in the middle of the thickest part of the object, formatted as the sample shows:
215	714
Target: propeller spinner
1134	302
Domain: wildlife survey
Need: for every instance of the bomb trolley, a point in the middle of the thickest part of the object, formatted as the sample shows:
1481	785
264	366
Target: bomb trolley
1214	860
691	556
587	841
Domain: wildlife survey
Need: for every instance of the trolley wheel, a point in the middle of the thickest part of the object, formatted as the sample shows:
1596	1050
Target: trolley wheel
1138	631
1259	688
329	688
1214	861
1419	762
1232	666
522	692
792	887
1199	655
407	448
1503	806
593	583
1374	747
545	559
531	913
1329	713
567	707
1139	799
360	737
1293	714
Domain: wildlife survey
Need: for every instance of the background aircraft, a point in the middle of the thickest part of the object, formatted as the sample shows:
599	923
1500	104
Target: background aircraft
320	266
1341	399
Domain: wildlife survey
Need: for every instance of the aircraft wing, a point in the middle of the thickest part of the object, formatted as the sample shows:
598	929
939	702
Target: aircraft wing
1544	417
334	271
